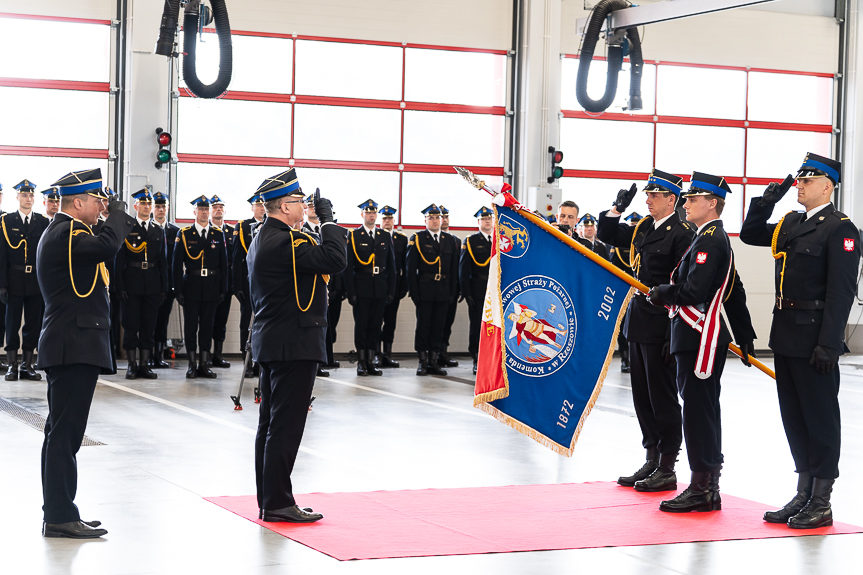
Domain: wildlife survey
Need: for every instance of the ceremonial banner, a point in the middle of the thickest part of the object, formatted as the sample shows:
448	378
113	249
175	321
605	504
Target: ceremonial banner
550	324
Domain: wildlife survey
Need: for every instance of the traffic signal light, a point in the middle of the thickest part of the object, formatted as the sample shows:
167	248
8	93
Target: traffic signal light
556	170
163	156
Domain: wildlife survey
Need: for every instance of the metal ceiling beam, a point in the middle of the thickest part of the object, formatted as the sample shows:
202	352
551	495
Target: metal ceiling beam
664	11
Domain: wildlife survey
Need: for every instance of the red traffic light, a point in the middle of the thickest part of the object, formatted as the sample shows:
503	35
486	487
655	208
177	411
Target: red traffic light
558	157
164	139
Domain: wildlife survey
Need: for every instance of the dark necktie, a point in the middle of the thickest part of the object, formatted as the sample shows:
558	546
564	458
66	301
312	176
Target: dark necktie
204	234
435	238
26	224
318	230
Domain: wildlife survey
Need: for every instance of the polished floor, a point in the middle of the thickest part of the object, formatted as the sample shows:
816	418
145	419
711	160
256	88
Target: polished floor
169	442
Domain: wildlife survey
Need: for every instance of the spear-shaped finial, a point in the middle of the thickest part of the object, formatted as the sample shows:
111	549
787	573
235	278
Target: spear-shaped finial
471	178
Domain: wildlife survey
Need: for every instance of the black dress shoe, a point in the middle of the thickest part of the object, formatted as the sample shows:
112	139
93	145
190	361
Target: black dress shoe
334	365
697	497
663	477
817	512
649	466
793	507
72	530
291	515
322	373
93	524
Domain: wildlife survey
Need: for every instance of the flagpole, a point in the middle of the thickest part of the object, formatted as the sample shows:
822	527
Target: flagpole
479	184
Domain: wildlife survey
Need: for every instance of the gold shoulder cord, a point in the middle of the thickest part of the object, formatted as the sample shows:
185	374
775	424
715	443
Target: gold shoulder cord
470	251
635	262
200	256
296	288
776	255
23	240
243	238
371	259
437	260
99	268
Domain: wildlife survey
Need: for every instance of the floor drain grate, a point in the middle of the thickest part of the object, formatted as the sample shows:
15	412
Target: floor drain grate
33	419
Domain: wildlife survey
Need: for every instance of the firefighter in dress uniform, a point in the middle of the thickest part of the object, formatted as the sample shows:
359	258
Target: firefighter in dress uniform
3	364
391	310
19	285
703	283
654	245
473	275
200	270
370	283
620	258
240	273
587	237
141	273
312	226
432	271
51	201
75	343
444	359
169	230
817	253
223	310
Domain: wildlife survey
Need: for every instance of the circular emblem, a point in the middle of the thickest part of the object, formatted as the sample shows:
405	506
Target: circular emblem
539	325
513	239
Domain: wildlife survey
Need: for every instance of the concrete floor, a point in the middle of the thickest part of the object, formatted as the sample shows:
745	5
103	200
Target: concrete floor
170	442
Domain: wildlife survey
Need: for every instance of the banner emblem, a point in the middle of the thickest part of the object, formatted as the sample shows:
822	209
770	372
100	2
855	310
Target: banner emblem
539	325
513	237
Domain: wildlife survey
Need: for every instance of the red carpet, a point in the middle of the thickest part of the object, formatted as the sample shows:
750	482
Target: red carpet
381	524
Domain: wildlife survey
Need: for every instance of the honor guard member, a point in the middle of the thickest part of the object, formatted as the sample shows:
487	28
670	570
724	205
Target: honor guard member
288	272
620	259
391	310
19	286
240	273
51	199
473	275
817	254
702	284
587	238
3	364
75	344
432	270
223	310
169	230
444	359
370	282
141	277
200	281
654	246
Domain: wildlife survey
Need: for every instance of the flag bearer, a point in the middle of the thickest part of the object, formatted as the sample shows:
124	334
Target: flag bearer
817	253
370	283
432	271
702	282
473	274
391	310
654	245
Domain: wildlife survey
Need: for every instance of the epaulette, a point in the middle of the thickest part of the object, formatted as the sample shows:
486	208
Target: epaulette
217	228
840	215
184	229
399	233
687	225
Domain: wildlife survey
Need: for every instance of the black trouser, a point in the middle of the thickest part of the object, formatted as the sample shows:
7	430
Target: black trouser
334	312
391	314
139	321
3	322
474	313
198	329
220	320
32	308
450	319
654	395
431	317
622	344
164	314
809	404
70	393
245	322
702	422
286	389
114	302
368	314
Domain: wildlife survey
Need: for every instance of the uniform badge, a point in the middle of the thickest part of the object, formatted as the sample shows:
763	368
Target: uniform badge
849	244
701	257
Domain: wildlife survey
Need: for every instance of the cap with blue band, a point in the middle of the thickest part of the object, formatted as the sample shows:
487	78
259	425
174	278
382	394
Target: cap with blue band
703	184
284	184
664	181
822	167
83	182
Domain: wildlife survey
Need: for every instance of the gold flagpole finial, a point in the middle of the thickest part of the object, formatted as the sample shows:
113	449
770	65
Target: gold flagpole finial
470	177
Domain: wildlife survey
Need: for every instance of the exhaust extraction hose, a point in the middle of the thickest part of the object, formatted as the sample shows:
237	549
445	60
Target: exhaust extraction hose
615	61
223	31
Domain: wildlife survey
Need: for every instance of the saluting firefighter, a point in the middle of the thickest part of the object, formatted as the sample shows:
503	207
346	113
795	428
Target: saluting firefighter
311	224
587	237
702	284
200	280
141	276
473	274
75	344
169	230
240	273
817	253
370	283
654	246
391	310
287	271
432	271
223	310
620	259
444	359
19	286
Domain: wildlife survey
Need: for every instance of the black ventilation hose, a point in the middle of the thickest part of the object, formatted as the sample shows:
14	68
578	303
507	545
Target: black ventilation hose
615	61
168	28
223	31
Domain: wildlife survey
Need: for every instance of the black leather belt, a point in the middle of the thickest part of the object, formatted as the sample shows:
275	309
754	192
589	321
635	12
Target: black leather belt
702	307
25	269
797	304
203	273
435	277
374	271
142	265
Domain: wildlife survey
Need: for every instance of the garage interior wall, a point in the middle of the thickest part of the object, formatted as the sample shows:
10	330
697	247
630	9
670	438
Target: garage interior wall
747	37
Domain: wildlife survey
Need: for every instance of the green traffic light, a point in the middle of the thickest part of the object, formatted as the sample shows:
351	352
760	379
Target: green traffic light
164	156
558	172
